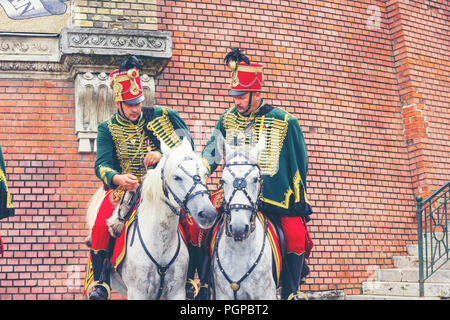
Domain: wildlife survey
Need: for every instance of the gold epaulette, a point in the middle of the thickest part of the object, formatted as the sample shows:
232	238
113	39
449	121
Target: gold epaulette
163	129
241	130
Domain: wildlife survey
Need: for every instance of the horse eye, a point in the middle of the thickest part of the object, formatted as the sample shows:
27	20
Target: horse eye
177	178
255	180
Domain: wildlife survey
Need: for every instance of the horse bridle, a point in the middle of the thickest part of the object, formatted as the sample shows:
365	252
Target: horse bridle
189	195
162	269
239	184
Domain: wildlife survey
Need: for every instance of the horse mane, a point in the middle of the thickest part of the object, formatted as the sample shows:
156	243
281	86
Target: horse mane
152	184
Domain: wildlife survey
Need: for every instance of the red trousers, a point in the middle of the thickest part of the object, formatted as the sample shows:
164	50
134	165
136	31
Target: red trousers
296	236
100	235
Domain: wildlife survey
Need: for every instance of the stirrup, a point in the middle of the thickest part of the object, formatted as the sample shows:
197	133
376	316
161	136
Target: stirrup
99	284
194	285
299	295
205	291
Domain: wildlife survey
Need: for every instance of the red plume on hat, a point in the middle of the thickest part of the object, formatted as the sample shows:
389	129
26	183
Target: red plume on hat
246	76
126	81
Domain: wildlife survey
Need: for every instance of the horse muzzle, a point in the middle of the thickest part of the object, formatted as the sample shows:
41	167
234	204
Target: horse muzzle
238	234
205	216
239	230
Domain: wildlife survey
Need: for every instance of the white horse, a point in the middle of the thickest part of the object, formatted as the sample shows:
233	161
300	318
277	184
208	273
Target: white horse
156	262
242	261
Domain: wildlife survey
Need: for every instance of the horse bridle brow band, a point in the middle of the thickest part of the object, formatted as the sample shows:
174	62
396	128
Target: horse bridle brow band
189	195
239	184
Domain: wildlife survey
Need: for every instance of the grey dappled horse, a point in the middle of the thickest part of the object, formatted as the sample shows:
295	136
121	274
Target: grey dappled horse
242	260
156	263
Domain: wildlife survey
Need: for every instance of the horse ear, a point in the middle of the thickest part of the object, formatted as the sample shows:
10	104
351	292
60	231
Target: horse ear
259	147
164	148
220	146
227	150
186	144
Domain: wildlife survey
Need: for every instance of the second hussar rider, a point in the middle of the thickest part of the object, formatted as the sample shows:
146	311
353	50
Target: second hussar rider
283	164
128	143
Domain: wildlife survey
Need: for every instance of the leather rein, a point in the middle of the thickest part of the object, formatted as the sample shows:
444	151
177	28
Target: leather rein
236	285
240	184
162	269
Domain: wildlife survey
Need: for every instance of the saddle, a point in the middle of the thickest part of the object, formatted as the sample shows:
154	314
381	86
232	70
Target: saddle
120	246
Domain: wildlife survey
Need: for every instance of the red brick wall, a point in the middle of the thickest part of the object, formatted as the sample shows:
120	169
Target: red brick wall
419	31
50	183
333	66
343	69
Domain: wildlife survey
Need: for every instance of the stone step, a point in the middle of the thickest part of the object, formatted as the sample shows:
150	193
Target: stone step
413	262
411	275
406	261
411	289
326	295
380	297
413	249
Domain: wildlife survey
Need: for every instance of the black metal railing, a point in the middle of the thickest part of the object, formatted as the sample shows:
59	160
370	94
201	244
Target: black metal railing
433	233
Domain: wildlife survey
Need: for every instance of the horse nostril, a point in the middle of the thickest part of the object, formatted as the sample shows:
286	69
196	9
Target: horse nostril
246	228
201	214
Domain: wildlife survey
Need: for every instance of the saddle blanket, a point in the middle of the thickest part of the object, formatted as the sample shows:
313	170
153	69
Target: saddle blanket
274	243
118	253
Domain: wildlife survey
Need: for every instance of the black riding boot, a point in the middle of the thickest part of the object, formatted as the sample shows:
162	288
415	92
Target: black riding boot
192	287
101	270
203	274
294	270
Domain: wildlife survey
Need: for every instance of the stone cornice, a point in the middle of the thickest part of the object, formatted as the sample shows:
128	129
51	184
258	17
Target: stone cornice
40	49
117	42
81	50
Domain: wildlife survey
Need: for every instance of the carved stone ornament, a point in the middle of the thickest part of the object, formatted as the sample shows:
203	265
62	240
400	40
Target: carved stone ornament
94	103
90	47
105	41
14	48
86	55
81	50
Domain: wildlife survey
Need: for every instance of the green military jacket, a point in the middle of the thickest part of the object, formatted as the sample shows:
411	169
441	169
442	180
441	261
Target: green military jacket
6	207
122	145
283	163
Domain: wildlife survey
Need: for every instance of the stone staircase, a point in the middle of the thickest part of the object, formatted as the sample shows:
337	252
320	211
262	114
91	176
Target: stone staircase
401	283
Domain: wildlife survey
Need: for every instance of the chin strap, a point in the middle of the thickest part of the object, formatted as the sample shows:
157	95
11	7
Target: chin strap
123	112
249	103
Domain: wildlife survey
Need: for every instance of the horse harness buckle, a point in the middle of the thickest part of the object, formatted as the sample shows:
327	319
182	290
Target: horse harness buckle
239	183
162	270
235	286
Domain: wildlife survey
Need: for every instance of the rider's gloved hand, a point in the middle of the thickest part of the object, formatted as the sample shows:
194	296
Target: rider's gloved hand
127	181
